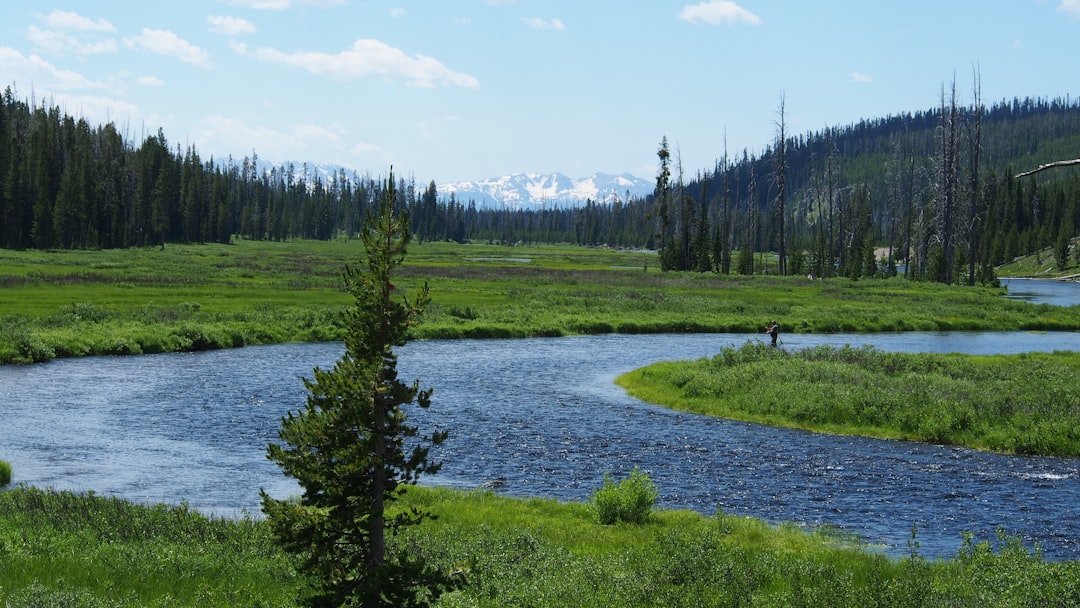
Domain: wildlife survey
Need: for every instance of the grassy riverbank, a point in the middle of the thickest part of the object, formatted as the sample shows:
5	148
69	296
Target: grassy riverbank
63	549
1026	404
198	297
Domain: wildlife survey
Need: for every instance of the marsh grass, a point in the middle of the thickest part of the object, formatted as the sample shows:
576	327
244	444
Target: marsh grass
79	550
1024	404
197	297
628	500
67	549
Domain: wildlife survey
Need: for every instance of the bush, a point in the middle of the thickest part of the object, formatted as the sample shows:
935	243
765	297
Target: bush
630	500
5	473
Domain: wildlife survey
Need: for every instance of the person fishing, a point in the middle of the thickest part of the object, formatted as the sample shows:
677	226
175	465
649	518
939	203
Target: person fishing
773	331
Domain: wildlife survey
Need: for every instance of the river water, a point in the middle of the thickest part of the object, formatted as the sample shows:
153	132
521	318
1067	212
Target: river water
537	417
1058	293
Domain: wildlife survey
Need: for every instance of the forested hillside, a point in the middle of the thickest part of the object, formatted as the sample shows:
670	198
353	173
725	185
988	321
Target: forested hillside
939	184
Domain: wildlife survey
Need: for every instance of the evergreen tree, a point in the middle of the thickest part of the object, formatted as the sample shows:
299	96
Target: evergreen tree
1061	246
352	450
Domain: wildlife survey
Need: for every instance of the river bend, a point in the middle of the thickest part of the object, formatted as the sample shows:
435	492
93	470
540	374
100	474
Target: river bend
537	417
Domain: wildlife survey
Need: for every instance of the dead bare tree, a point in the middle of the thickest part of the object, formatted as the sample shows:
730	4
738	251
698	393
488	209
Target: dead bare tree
780	168
1057	163
975	148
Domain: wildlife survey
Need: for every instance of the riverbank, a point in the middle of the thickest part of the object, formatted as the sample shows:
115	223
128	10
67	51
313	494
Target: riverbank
85	550
1017	404
199	297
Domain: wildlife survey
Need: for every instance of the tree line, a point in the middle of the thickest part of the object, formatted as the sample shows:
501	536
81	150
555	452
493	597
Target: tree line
935	191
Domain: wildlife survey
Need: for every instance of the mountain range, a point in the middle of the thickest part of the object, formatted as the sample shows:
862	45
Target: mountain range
546	190
516	191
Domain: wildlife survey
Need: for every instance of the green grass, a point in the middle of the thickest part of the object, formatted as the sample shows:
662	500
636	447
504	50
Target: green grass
197	297
1025	404
5	473
64	549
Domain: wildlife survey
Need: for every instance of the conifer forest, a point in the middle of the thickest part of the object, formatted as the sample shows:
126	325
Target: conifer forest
944	195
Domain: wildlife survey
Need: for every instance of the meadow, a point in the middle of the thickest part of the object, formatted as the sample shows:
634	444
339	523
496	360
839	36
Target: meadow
64	549
1020	404
79	550
199	297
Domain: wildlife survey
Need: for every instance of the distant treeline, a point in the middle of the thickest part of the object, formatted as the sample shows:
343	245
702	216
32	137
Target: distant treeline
937	184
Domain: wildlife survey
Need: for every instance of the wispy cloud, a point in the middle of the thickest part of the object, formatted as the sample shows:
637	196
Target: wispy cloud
22	68
860	77
164	42
717	12
67	20
280	5
150	81
232	26
57	41
367	57
544	24
69	32
1070	7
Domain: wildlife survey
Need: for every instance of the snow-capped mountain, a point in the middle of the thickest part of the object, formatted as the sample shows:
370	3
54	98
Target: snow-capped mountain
538	190
517	191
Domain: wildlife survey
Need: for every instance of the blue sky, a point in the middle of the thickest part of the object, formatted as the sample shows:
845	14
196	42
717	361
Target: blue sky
453	90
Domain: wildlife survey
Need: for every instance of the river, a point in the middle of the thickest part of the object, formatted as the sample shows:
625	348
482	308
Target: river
537	417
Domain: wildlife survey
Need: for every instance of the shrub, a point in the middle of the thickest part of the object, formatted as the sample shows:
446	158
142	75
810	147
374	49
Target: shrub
630	500
5	473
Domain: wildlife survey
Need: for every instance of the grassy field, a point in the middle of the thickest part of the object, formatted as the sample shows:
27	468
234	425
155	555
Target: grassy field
197	297
1022	404
73	550
62	549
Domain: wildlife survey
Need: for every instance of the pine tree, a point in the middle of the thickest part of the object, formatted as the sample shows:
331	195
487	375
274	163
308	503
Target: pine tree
352	449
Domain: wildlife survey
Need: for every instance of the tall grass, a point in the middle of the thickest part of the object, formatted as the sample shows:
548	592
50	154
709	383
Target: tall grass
630	500
1025	404
195	297
65	549
5	473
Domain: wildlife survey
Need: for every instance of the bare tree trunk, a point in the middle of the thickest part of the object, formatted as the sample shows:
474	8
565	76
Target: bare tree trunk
780	168
831	185
947	195
975	142
1058	163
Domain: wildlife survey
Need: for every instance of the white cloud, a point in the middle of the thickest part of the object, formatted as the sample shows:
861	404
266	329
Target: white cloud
280	5
319	133
67	20
367	57
716	12
223	133
397	11
60	42
1070	7
860	77
164	42
544	24
226	136
66	31
150	81
232	26
33	69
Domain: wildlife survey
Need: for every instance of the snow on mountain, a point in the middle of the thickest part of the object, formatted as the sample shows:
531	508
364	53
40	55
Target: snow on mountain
517	191
540	190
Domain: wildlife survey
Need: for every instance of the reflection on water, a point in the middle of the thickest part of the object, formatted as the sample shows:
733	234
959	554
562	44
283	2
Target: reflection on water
542	417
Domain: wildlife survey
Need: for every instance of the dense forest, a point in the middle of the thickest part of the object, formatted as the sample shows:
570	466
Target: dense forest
933	193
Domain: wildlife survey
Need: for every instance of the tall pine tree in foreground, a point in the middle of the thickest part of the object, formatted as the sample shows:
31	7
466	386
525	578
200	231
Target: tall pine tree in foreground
352	450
